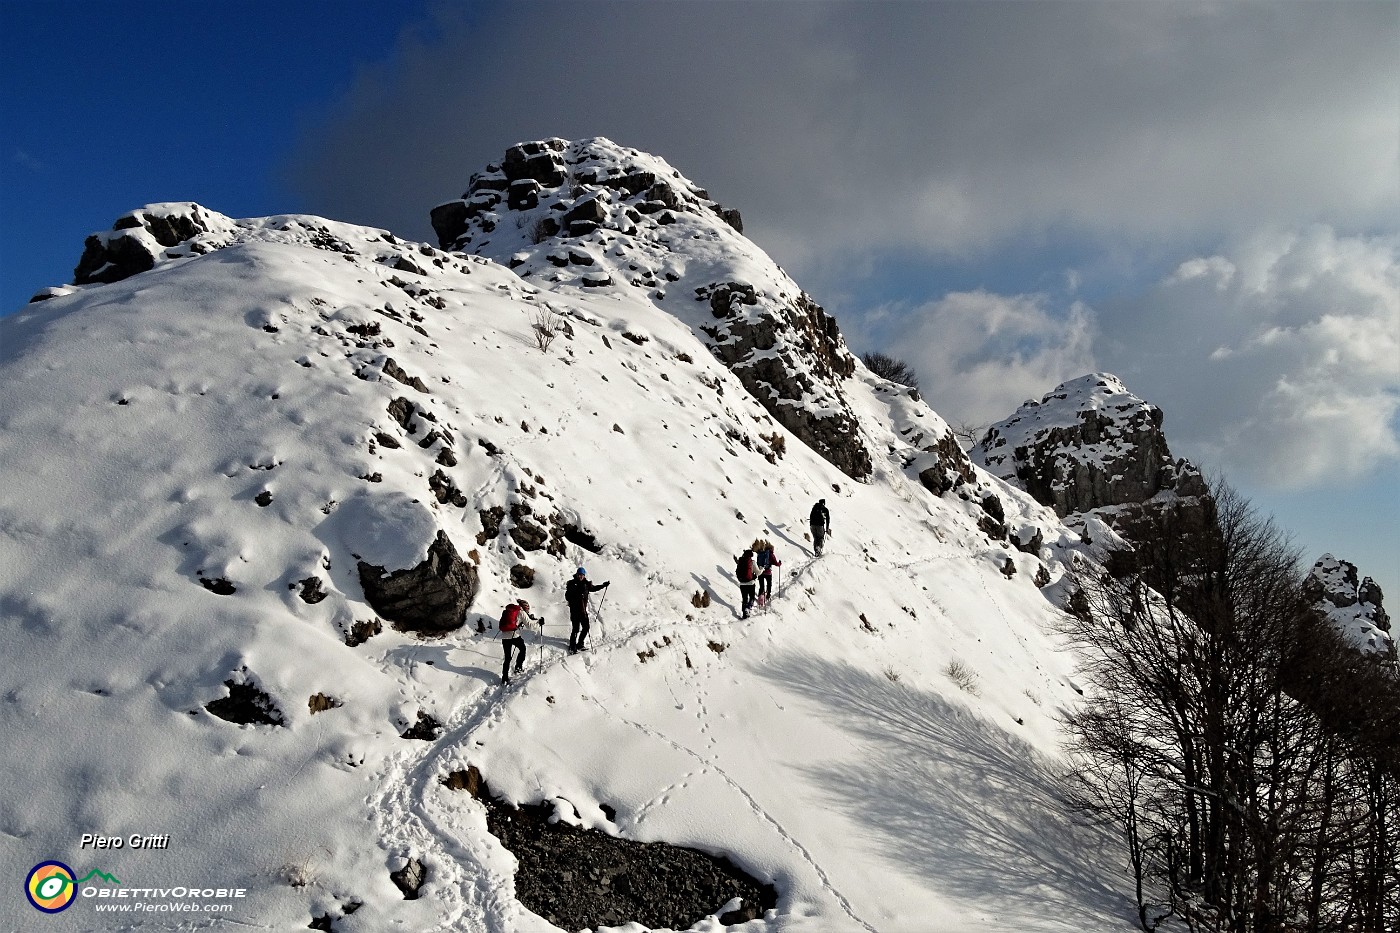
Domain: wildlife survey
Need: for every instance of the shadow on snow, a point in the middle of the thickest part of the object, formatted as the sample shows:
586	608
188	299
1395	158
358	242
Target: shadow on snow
956	801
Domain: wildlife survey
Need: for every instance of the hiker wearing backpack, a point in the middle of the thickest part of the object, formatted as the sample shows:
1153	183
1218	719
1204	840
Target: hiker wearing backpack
746	573
821	525
576	595
512	623
767	560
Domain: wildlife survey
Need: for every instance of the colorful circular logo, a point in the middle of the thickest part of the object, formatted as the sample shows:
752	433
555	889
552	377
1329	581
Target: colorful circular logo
50	887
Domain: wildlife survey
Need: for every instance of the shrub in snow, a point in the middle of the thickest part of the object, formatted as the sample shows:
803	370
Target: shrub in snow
888	367
963	676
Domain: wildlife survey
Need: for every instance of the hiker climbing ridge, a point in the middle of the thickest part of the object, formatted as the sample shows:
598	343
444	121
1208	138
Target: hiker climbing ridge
576	595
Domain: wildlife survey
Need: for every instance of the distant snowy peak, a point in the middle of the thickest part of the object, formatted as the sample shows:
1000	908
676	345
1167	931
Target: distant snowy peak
1090	446
1355	608
593	215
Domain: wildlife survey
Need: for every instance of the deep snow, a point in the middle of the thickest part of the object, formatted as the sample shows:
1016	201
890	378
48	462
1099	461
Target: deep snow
821	745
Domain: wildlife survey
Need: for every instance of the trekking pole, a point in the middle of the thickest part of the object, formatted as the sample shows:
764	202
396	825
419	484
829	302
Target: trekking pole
598	614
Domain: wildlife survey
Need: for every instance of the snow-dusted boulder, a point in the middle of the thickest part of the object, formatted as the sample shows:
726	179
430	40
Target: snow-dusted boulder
428	593
140	238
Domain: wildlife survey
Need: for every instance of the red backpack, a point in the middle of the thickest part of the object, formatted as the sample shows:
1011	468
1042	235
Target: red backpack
510	618
744	568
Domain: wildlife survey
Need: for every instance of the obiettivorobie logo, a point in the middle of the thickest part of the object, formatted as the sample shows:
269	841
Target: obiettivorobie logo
51	886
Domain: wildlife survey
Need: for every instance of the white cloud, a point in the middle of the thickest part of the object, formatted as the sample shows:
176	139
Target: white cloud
1217	268
979	354
1280	360
1277	359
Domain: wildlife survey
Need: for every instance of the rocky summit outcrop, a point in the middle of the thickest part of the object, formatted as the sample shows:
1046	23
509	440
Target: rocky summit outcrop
431	598
1092	446
593	215
1352	604
140	238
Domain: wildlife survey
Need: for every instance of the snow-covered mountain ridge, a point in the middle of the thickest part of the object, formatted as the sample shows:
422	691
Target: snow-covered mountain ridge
593	214
1098	455
199	454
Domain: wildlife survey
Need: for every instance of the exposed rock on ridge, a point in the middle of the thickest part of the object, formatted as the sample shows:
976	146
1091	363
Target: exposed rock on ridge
1355	608
1092	446
138	239
592	214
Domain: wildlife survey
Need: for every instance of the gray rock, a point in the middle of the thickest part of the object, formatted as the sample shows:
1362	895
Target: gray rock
593	209
410	878
1092	446
111	259
431	598
524	194
449	222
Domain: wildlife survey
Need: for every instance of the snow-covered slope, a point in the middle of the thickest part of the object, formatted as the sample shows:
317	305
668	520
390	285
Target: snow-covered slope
878	744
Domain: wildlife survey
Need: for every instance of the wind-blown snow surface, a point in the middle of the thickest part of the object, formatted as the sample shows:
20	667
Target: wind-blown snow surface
140	420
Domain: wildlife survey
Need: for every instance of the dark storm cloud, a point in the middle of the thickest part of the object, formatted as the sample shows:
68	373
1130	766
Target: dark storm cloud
1217	138
938	128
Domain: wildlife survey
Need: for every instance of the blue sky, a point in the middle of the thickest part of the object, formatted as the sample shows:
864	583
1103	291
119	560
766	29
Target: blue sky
1201	197
111	106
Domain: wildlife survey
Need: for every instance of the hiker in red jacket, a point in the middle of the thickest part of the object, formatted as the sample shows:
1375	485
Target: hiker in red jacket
512	629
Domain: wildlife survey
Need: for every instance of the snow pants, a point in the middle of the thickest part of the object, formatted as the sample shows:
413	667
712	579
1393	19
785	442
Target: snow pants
746	592
765	584
511	646
578	617
818	536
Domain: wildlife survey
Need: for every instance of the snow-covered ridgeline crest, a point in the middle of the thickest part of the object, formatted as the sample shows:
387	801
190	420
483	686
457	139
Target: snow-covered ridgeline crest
592	214
199	457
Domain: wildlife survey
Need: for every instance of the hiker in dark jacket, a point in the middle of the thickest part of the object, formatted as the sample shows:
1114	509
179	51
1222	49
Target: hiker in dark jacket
512	627
576	595
747	575
767	560
821	524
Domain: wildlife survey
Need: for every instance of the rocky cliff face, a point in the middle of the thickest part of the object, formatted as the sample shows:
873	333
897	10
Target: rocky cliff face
1091	446
593	215
1355	608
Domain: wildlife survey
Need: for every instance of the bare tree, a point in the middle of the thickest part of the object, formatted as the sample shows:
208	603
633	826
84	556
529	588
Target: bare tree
545	323
968	433
1250	798
887	367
